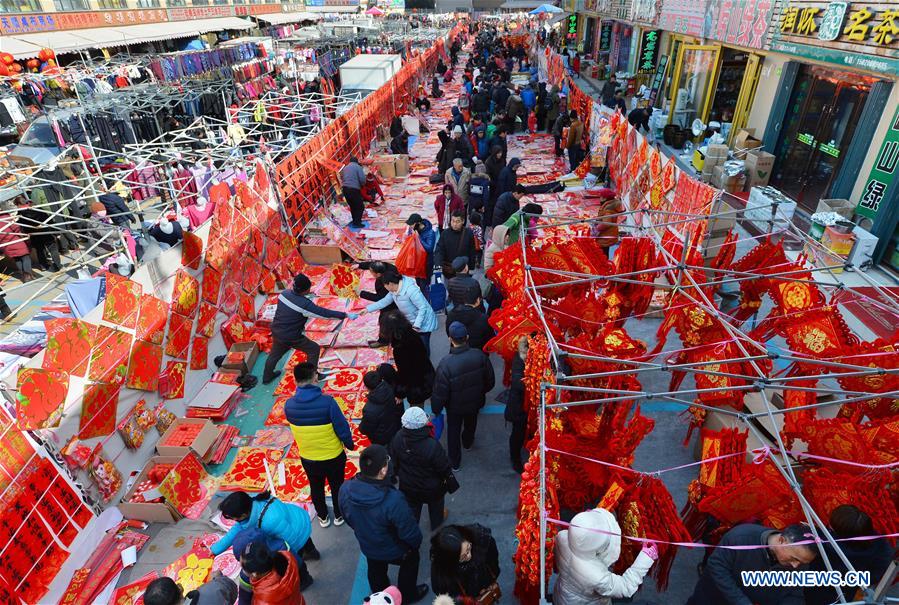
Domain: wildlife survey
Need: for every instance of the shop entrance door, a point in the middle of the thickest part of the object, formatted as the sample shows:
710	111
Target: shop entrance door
692	83
822	115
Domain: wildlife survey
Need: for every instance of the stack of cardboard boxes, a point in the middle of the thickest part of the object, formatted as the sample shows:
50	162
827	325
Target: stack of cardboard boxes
759	165
721	220
392	166
715	155
731	181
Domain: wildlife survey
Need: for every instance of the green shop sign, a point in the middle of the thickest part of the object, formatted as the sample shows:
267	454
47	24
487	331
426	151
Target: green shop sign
881	177
649	51
886	65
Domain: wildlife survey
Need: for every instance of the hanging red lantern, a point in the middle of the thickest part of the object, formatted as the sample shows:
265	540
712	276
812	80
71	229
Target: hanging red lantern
4	70
46	54
33	64
7	58
16	68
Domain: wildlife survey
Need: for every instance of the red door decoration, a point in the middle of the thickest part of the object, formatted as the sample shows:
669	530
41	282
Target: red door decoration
109	359
186	294
171	384
151	319
98	410
343	281
247	473
143	371
212	282
69	343
40	398
179	336
191	250
199	353
121	303
206	320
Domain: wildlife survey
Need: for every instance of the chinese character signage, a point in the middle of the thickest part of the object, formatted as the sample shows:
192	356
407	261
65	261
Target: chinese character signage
852	34
645	11
649	51
684	16
882	173
30	24
571	30
657	80
740	22
200	12
605	36
257	9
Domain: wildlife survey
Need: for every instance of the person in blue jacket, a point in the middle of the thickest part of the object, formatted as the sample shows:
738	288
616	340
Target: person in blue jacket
529	98
385	528
272	516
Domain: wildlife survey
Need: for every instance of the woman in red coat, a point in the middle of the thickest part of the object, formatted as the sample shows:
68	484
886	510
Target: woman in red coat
275	576
14	244
447	203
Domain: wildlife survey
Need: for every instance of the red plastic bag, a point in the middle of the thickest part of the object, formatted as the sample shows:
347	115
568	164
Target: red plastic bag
412	259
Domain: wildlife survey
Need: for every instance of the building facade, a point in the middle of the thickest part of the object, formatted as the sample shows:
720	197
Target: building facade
815	81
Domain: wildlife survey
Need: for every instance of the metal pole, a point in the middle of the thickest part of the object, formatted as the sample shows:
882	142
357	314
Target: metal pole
542	429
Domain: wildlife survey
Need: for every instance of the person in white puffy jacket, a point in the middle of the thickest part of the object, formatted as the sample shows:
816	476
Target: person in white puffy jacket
585	552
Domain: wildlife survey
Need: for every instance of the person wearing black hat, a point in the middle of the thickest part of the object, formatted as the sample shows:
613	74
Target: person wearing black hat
470	313
463	379
462	282
385	528
289	326
454	242
507	204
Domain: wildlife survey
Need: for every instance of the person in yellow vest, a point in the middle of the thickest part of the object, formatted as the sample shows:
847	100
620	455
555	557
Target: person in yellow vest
321	432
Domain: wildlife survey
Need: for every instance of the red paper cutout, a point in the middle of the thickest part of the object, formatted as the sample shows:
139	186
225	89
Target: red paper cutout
41	395
69	343
248	470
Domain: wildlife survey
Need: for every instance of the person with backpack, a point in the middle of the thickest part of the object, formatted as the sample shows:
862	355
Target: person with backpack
422	466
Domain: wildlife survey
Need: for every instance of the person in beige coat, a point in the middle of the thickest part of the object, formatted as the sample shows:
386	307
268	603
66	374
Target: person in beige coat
459	178
499	241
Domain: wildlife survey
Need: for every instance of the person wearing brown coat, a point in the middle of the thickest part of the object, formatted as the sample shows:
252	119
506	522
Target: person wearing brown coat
605	230
575	137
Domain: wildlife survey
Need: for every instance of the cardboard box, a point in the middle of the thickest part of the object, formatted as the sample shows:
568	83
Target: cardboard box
155	512
759	165
386	165
717	151
745	140
844	208
200	444
249	350
316	254
401	165
720	225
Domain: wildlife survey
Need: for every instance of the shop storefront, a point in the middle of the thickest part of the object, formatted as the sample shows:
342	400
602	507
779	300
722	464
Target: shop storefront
620	52
830	100
712	83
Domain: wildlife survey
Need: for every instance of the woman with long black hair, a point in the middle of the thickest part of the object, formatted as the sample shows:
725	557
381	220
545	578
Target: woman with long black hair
465	564
415	373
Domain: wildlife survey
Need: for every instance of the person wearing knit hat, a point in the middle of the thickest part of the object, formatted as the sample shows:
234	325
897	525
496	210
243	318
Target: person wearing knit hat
387	532
389	596
422	466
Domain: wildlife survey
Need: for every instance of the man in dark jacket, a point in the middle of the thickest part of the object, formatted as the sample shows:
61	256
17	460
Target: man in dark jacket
381	414
321	433
480	102
461	283
464	377
471	314
421	465
508	177
501	94
456	241
458	147
514	412
507	204
385	528
116	209
721	580
608	91
847	523
289	325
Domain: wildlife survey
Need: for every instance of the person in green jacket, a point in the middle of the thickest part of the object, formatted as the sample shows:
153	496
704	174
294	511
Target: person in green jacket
513	223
